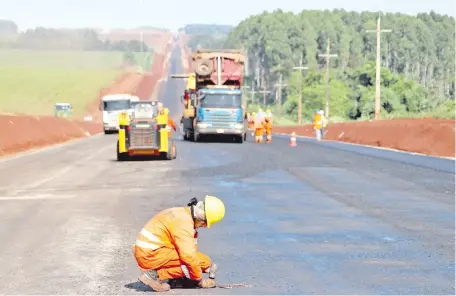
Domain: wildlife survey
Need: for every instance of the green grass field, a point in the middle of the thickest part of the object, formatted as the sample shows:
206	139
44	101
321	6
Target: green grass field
33	81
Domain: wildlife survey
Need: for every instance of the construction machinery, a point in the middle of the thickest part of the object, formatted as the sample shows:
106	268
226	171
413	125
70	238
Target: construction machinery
145	132
213	96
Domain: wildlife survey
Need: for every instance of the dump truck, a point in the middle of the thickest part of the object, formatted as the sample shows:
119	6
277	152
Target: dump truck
213	96
144	132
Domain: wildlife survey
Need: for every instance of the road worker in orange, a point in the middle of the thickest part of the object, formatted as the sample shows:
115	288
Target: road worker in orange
252	123
162	110
166	248
317	124
268	125
258	125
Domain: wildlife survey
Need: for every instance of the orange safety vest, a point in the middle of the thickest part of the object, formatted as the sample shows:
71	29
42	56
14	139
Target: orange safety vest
317	122
173	228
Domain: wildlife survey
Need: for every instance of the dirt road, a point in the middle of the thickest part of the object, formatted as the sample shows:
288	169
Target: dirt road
311	219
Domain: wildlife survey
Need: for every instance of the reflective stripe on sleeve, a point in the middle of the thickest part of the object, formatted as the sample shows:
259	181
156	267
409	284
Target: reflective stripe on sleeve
150	236
145	245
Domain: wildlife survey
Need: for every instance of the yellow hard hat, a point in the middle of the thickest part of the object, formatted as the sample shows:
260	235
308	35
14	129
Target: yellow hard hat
253	113
214	209
268	111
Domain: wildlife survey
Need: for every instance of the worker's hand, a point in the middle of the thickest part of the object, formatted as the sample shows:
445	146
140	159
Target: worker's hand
207	283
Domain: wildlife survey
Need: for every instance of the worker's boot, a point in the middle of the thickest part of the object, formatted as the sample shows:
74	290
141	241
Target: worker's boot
150	278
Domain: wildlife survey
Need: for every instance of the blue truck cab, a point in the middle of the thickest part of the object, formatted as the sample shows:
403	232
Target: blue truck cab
219	112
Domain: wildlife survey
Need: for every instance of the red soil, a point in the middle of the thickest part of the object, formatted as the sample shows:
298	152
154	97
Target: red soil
421	135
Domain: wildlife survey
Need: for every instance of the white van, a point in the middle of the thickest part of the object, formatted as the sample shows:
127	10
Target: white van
111	106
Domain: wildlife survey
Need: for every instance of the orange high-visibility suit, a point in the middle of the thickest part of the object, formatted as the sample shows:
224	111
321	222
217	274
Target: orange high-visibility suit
268	127
259	129
167	242
172	124
317	122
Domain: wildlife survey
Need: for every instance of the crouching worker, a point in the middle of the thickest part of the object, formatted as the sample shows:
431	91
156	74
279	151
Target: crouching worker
166	248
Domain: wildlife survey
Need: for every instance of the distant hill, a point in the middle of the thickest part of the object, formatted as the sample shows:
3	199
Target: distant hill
207	29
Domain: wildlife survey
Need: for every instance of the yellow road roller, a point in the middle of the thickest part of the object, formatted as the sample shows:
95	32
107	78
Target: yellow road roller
145	132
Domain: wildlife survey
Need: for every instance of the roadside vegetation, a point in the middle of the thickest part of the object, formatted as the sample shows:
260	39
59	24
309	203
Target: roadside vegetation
41	67
33	81
417	59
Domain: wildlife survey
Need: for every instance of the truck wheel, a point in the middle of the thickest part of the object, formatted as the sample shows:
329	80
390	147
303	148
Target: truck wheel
187	136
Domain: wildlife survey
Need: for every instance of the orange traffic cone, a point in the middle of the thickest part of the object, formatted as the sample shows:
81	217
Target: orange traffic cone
293	140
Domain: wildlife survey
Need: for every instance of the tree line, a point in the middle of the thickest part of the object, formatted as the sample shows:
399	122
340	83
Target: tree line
42	38
417	59
206	29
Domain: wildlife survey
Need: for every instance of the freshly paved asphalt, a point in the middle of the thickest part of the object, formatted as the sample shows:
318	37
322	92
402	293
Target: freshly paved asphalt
311	219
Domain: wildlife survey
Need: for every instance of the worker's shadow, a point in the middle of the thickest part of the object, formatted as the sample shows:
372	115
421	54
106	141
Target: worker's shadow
138	286
174	284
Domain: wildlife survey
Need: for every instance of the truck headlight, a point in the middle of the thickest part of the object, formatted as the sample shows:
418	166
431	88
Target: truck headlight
202	125
238	126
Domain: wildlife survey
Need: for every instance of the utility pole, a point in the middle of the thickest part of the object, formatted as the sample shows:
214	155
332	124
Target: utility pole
279	95
264	92
300	68
377	70
253	92
328	57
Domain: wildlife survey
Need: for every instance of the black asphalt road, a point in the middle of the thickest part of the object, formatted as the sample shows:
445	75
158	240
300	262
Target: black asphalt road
311	219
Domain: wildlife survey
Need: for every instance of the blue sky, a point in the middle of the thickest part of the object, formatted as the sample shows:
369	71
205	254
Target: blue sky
173	14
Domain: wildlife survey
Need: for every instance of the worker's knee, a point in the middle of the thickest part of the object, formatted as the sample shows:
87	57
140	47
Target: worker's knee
205	260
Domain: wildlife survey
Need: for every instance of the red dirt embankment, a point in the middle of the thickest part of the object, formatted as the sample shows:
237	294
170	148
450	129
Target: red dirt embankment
420	135
24	132
158	71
